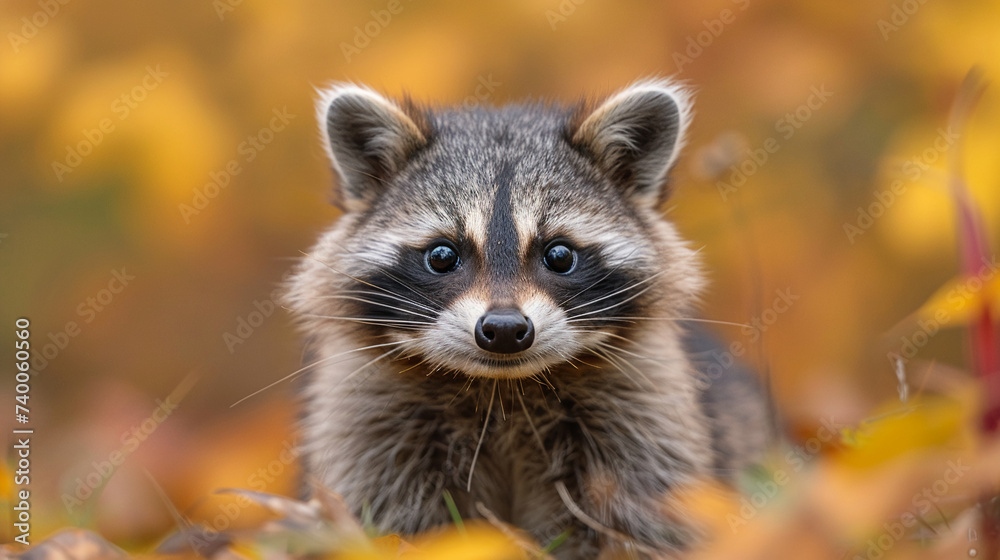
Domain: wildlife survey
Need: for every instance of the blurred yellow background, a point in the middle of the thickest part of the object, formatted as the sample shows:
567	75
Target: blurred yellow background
161	166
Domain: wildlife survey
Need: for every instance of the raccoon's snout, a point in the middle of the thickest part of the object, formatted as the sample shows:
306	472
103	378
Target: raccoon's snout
504	331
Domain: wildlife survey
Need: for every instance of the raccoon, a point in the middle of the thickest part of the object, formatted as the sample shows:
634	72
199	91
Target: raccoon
500	315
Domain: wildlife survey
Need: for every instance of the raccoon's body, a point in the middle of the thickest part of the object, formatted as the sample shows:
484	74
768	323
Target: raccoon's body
500	314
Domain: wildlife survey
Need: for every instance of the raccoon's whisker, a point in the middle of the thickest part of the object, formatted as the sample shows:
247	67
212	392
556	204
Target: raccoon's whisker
385	271
576	359
588	364
602	354
585	319
503	413
482	436
534	377
631	286
511	383
369	363
434	307
567	358
385	305
479	396
541	391
435	368
599	280
414	366
612	357
402	327
391	293
620	303
369	320
620	348
534	430
413	289
312	365
397	297
698	320
637	355
362	368
351	375
360	281
549	384
627	288
393	277
413	353
463	389
619	337
690	319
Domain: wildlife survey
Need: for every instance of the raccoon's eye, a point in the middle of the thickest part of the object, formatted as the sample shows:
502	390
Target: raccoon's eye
442	258
559	258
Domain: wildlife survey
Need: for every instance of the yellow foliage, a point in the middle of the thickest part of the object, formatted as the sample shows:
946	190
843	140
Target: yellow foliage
961	300
898	430
782	229
475	542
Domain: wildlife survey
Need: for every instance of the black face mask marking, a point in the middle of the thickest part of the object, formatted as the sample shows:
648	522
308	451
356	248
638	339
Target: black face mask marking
406	295
594	294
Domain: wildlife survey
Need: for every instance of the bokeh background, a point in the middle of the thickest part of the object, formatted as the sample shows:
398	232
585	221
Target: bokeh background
174	144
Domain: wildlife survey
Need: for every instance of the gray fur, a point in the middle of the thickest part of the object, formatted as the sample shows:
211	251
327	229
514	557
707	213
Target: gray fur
603	419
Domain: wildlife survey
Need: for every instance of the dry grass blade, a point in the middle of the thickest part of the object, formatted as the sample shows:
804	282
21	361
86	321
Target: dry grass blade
68	544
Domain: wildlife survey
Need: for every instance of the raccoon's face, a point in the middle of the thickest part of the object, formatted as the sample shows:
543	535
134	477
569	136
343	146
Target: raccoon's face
501	242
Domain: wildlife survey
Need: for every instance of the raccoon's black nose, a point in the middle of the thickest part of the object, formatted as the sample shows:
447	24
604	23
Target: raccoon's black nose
504	331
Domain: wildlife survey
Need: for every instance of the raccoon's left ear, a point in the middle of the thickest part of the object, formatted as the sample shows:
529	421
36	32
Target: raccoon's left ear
635	135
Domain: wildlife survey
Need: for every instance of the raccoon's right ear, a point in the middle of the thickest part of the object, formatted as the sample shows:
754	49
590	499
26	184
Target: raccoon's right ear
634	136
369	139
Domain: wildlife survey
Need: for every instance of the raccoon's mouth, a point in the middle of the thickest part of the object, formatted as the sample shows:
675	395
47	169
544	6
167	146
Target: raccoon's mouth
501	363
505	366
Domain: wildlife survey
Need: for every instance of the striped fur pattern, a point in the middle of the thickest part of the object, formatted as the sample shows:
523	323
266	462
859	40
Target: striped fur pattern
593	428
